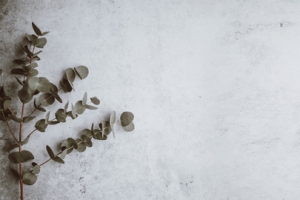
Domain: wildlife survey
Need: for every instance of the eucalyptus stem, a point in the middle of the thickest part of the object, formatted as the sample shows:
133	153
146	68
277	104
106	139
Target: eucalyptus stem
20	150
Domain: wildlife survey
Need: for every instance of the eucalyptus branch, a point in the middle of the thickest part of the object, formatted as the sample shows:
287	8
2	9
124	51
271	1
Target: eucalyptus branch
33	85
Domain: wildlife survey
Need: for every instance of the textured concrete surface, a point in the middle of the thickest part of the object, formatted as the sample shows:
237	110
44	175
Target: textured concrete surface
214	87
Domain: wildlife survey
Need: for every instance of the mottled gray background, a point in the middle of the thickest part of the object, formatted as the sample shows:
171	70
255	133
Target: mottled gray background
214	86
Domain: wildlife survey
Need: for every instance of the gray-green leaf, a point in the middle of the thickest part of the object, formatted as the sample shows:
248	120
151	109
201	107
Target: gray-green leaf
82	71
95	100
50	152
29	178
126	118
129	127
36	29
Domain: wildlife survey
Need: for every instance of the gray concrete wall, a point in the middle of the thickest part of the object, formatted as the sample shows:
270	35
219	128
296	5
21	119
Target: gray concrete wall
214	86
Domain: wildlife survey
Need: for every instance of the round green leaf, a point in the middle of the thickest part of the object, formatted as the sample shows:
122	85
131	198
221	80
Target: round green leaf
41	42
126	118
41	84
36	169
82	71
81	146
70	75
61	115
87	140
26	155
65	85
41	125
129	127
29	178
15	157
80	108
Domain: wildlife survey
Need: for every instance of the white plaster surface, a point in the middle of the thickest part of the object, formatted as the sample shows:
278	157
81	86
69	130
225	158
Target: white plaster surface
214	86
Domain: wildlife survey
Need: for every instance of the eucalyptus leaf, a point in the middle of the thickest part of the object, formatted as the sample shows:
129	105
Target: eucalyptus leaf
59	160
31	66
19	61
33	73
36	29
70	75
45	33
81	145
82	71
46	99
15	157
70	142
87	140
65	85
41	42
39	83
95	100
126	118
41	125
60	115
18	71
73	111
86	132
50	152
29	178
80	108
63	154
53	122
36	169
13	117
112	121
47	116
28	119
27	155
57	97
90	107
69	114
129	127
84	99
66	106
20	157
25	141
29	37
